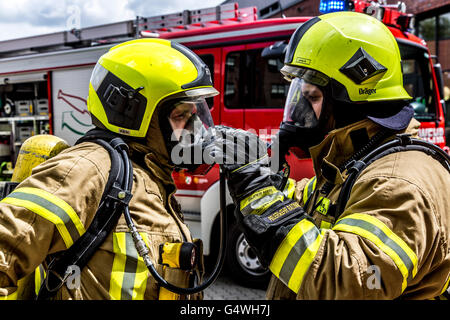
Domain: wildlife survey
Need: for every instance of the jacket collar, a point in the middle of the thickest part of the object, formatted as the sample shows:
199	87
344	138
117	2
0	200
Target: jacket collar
161	171
156	164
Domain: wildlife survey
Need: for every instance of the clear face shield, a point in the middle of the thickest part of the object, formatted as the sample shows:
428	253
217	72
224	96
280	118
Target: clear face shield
304	111
304	104
191	123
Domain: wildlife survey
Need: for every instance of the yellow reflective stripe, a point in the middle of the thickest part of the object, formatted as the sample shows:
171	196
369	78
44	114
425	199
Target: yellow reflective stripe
129	274
289	188
325	225
260	201
240	168
119	248
45	214
261	193
296	253
58	202
39	276
309	189
140	280
376	231
28	286
12	296
446	285
266	206
49	207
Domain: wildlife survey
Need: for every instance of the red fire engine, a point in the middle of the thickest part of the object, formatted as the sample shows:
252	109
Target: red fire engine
44	84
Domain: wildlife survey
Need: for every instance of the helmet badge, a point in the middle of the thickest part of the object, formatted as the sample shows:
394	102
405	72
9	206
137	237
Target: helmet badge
362	66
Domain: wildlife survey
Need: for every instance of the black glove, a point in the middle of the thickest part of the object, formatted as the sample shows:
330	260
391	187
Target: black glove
262	206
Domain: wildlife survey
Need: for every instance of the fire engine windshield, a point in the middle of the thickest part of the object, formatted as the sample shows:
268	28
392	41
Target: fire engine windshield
417	80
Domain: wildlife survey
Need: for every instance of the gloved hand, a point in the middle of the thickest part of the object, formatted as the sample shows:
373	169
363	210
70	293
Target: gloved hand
261	206
243	158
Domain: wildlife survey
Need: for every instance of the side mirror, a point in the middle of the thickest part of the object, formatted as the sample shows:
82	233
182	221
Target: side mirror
419	108
275	51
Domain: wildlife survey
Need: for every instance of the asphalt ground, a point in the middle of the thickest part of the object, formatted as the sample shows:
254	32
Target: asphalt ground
224	288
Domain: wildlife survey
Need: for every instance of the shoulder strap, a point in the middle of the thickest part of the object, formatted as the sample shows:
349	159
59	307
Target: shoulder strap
402	142
112	204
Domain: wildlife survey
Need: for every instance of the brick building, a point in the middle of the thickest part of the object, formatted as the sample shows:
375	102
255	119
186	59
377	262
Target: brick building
433	25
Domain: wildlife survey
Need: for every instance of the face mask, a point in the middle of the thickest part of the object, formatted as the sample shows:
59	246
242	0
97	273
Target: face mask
190	123
304	104
304	120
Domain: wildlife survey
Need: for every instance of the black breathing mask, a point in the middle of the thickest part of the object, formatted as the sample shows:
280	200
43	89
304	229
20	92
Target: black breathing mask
187	130
306	114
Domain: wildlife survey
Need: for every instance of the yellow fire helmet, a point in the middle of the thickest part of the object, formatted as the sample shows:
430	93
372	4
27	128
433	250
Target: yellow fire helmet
134	77
353	50
343	67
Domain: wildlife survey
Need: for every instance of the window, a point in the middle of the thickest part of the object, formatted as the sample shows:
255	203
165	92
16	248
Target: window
427	29
418	82
444	26
237	72
269	9
208	59
252	81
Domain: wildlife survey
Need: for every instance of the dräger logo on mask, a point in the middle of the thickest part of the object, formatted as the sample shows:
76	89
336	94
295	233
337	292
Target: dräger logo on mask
367	91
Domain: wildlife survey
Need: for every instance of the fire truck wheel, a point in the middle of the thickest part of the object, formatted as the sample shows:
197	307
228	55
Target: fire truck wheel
242	262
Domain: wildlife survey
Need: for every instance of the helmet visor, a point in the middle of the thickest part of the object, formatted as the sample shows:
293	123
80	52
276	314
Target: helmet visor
190	120
312	76
303	104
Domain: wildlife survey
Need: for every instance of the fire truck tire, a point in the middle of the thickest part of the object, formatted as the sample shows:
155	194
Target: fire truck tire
242	263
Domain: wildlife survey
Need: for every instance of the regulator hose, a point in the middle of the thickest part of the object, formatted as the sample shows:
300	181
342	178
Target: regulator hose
143	250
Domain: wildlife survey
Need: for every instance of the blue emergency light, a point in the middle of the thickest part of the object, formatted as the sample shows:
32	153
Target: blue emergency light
327	6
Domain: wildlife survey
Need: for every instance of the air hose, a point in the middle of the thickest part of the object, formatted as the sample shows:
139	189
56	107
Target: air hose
143	250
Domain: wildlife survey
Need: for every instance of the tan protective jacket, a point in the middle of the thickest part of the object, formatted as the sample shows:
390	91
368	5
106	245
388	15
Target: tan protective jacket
392	240
51	209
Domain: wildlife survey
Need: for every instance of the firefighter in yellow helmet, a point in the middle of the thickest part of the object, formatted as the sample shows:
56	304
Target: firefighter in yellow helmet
372	224
147	92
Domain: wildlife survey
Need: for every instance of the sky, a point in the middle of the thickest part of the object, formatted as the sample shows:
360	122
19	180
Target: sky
24	18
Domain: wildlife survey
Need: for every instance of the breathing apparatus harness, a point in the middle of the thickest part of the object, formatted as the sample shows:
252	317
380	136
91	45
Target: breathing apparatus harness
401	143
366	155
114	202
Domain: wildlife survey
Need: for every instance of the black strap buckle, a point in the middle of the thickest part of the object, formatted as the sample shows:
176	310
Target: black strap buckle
119	195
356	166
54	281
118	143
404	139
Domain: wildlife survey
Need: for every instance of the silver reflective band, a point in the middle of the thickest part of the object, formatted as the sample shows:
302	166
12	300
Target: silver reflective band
374	230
